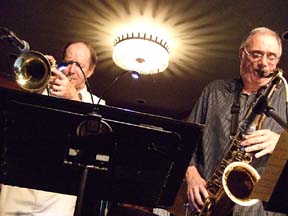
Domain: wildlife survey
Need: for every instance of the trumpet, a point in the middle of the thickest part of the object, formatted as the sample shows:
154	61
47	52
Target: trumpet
32	71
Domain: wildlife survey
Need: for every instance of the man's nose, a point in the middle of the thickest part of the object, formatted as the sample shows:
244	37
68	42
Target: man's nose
264	60
71	68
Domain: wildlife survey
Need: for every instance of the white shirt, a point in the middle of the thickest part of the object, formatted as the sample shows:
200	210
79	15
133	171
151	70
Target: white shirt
86	97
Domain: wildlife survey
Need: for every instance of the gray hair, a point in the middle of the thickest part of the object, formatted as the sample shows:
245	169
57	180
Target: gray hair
262	30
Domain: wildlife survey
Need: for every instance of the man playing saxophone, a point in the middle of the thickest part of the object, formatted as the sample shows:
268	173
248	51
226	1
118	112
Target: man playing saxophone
223	105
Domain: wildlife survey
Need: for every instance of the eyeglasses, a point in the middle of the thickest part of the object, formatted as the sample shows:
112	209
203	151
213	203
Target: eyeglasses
258	55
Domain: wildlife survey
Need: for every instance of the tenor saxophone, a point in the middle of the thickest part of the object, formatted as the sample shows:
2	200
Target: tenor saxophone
234	178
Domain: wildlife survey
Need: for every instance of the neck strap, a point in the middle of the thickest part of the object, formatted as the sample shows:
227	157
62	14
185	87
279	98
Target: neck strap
235	108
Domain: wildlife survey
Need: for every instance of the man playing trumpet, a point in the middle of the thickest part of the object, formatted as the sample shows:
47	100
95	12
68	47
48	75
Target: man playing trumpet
69	83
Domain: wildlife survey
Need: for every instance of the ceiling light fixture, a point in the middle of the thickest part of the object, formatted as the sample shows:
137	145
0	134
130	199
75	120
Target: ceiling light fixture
142	52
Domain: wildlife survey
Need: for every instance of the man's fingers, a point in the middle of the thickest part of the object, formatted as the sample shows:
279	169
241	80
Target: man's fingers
58	73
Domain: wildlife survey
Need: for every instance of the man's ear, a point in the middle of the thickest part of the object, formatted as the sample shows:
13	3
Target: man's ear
241	53
90	71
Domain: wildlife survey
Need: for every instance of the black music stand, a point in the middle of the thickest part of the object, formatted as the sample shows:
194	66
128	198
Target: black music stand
132	157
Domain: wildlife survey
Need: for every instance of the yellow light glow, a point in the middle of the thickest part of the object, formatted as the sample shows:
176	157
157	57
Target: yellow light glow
193	30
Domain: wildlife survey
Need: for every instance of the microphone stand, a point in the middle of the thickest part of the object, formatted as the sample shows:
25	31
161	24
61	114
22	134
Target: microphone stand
104	205
270	112
6	34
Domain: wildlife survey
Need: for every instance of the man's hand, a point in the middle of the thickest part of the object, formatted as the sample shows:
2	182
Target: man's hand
196	188
262	142
60	86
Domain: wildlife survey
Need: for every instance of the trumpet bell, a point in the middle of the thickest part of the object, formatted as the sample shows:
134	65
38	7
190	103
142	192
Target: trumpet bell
239	179
32	71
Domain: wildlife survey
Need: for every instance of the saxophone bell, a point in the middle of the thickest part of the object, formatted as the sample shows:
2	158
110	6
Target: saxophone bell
239	179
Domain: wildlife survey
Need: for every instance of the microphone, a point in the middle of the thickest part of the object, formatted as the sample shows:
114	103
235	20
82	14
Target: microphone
284	36
6	34
135	75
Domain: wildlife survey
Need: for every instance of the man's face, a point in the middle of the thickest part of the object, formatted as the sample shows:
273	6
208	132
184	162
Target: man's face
261	53
79	53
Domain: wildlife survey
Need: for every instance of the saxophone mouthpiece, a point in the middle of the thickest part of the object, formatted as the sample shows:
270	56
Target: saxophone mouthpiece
269	74
265	74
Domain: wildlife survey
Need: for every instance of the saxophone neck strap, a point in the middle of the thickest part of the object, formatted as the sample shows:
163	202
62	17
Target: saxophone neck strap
235	108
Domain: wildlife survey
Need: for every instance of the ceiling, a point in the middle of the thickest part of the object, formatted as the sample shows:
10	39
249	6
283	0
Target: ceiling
204	37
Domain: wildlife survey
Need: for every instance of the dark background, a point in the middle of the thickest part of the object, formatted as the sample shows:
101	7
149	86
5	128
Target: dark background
206	37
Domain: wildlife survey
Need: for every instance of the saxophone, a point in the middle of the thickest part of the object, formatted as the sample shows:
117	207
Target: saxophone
234	179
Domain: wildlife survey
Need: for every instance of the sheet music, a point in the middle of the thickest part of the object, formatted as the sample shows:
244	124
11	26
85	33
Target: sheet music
273	170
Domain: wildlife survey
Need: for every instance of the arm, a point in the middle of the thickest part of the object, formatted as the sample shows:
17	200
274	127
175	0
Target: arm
60	86
196	184
196	188
263	142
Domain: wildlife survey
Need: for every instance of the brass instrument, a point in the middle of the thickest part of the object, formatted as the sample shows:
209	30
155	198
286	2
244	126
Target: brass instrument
234	179
32	71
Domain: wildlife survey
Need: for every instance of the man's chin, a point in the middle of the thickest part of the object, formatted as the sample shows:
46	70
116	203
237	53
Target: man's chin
262	82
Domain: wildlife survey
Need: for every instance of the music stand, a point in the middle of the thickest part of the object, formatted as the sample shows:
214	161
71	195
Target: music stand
271	187
142	160
279	199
